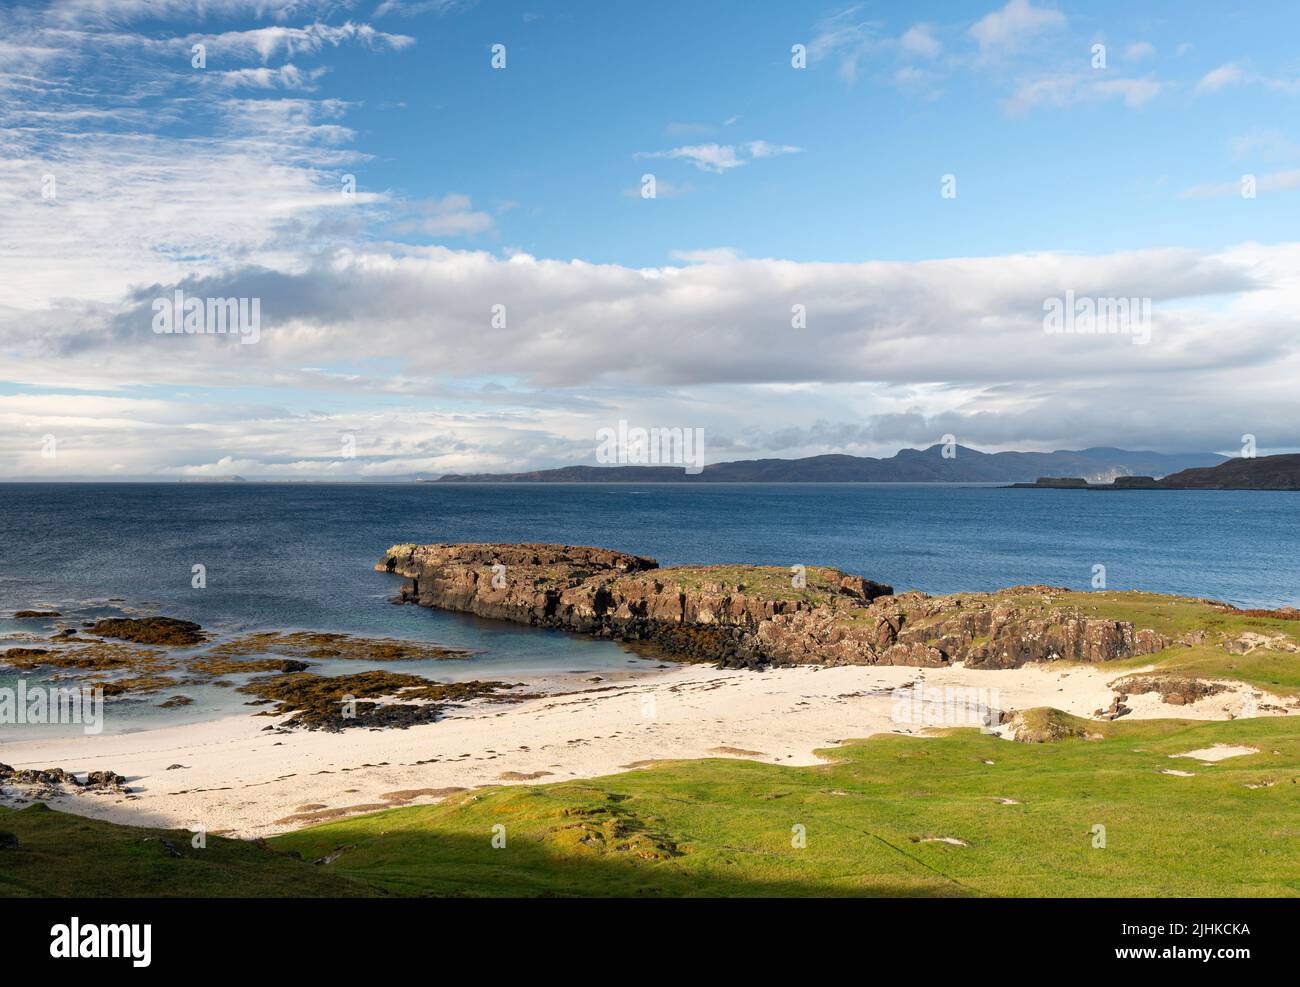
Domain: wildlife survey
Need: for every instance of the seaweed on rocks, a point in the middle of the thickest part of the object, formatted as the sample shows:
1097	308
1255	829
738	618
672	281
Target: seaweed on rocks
150	630
338	702
321	645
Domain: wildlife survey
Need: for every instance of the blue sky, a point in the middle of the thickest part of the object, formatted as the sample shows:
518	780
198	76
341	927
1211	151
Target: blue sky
520	186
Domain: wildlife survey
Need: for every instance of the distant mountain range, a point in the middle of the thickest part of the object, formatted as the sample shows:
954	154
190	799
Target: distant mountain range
907	466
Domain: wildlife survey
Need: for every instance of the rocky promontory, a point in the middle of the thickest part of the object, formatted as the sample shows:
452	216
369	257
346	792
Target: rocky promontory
744	615
1245	473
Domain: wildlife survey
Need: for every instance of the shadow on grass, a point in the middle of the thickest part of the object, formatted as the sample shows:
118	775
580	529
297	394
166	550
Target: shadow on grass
59	855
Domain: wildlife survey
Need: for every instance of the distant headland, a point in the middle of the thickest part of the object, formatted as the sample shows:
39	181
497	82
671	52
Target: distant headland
1262	473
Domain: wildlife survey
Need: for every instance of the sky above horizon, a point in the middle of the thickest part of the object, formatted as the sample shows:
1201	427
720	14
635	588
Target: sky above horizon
442	210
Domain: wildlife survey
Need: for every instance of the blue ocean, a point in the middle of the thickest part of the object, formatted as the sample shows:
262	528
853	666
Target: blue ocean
301	556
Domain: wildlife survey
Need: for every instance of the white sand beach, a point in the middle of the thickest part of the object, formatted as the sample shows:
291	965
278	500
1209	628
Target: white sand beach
234	777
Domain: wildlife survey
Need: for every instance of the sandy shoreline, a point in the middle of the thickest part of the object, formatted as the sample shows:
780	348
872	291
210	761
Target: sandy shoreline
242	780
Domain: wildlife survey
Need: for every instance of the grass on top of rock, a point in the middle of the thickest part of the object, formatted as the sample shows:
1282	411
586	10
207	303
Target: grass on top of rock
1211	640
822	583
60	854
875	820
1217	631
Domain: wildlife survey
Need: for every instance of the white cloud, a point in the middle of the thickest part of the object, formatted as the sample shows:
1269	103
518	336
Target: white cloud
1061	91
710	343
285	77
412	8
915	81
1224	76
846	38
720	158
451	216
1011	27
108	13
1269	143
1140	50
919	40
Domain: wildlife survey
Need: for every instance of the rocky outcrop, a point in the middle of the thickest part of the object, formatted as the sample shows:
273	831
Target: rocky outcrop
742	615
47	783
150	630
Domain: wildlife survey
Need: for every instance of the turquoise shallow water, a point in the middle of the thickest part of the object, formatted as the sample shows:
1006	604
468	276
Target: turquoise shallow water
301	555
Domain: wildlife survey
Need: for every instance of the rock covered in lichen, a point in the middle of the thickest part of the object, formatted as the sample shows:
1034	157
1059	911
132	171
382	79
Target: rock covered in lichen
744	615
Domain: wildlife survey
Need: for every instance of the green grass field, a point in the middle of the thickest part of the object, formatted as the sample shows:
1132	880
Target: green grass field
872	820
728	828
62	855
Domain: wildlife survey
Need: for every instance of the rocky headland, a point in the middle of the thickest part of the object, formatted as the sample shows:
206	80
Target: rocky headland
749	616
1253	473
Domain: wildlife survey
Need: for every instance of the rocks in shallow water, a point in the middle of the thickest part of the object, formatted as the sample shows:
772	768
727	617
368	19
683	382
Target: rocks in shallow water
339	702
748	616
150	630
139	666
95	656
135	685
36	614
25	657
220	664
317	645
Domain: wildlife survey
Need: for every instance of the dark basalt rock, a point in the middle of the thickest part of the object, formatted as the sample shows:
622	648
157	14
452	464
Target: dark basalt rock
340	702
51	782
748	616
150	630
33	776
108	781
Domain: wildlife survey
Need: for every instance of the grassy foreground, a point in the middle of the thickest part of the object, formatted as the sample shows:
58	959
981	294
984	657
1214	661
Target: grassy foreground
874	820
67	856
